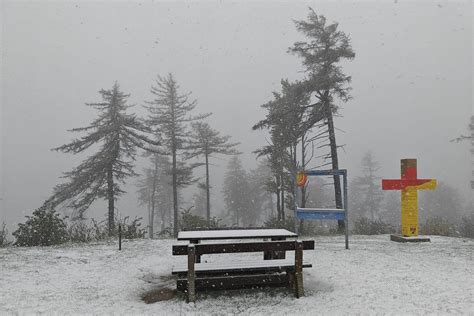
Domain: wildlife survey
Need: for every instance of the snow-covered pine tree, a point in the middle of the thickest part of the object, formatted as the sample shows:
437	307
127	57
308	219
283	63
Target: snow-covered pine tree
169	116
117	135
206	142
325	49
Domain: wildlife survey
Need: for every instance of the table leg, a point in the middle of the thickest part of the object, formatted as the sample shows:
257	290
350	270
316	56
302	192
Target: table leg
198	257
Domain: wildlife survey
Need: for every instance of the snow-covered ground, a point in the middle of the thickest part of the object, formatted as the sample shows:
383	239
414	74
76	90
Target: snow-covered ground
375	276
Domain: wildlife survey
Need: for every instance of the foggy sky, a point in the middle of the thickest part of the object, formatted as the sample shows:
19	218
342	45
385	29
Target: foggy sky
411	79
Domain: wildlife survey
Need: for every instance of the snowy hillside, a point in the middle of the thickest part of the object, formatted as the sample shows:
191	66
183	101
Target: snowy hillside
374	276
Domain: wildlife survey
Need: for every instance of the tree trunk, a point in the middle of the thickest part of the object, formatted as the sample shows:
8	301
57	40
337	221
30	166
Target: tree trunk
335	164
175	192
163	220
303	188
278	198
208	195
153	198
282	200
110	197
271	205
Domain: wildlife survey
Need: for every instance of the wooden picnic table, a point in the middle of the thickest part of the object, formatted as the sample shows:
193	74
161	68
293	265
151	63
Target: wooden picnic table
275	270
196	236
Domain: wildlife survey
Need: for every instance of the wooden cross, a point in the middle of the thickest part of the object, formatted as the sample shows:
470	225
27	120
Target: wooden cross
409	184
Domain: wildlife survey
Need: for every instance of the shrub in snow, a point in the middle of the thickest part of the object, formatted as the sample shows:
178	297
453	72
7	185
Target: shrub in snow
43	228
366	226
467	226
188	221
166	233
438	226
81	232
4	236
132	229
95	231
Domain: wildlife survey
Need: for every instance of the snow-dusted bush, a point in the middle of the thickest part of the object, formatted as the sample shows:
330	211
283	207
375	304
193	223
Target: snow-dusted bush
466	228
43	228
4	242
366	226
81	232
95	231
438	226
132	229
188	221
166	233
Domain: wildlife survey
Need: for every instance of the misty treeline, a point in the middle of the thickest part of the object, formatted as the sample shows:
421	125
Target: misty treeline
299	120
175	139
170	136
471	139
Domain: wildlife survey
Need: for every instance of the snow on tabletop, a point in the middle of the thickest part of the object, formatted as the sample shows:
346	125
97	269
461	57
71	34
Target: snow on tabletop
235	234
376	276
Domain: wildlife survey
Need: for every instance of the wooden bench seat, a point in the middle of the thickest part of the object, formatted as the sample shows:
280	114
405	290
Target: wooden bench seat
259	266
240	274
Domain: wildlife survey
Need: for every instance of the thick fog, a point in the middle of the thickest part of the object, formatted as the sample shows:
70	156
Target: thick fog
411	79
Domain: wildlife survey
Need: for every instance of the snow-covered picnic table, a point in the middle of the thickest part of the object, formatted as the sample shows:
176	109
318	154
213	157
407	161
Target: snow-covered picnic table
275	270
198	235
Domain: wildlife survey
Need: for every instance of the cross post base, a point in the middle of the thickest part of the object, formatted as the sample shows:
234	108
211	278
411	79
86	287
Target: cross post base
400	238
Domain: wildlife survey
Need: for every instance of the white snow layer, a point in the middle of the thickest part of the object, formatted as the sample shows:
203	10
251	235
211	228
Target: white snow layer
376	276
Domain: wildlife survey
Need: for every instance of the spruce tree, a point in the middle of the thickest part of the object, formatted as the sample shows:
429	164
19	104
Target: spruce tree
325	49
207	142
169	116
117	135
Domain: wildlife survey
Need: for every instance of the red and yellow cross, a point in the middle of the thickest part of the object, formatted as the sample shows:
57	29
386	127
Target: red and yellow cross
409	185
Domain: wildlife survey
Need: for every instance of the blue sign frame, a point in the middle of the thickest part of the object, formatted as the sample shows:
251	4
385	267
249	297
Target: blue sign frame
324	213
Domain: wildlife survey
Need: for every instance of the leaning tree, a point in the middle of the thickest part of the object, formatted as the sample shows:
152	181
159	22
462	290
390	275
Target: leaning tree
116	135
207	142
288	126
322	53
169	117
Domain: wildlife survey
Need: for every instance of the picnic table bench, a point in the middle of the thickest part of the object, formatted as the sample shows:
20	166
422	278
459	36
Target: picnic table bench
275	270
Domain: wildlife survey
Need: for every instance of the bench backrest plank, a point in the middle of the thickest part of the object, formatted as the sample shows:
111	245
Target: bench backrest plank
281	245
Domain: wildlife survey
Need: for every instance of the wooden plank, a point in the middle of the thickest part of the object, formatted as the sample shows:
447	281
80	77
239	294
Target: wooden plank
202	249
244	266
234	234
236	282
